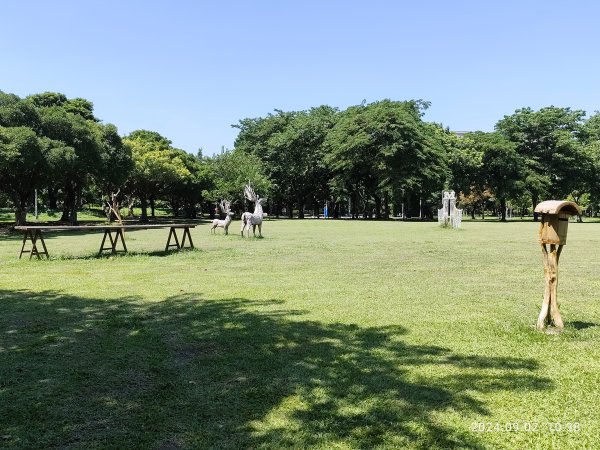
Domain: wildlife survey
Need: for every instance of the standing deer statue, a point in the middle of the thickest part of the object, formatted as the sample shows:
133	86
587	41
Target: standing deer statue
226	208
255	218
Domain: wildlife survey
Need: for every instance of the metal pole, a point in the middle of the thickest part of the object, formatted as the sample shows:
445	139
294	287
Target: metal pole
36	202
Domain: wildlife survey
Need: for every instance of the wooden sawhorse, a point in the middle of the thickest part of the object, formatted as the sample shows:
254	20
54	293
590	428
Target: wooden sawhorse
118	234
172	233
32	236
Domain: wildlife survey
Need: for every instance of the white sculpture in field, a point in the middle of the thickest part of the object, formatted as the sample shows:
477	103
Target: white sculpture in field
255	218
449	215
226	208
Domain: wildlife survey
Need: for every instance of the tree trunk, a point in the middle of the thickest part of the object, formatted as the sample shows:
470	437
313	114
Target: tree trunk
152	208
65	212
534	200
354	206
290	210
503	209
73	212
69	213
52	198
21	208
300	209
386	206
144	207
190	210
377	207
20	216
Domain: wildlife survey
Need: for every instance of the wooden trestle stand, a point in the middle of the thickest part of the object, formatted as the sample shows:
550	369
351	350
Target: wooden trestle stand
553	232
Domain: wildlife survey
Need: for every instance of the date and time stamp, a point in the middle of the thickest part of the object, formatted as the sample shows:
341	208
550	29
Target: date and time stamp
526	427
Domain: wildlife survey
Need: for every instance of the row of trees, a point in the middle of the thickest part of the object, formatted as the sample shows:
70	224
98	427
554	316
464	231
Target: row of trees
58	146
382	158
370	160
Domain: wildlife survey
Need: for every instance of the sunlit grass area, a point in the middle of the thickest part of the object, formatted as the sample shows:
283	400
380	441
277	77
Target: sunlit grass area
324	334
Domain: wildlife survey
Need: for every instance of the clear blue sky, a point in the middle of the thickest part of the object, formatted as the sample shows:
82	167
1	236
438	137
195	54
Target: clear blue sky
190	69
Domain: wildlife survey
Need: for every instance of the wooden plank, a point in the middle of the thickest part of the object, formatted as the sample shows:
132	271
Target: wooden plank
34	232
98	228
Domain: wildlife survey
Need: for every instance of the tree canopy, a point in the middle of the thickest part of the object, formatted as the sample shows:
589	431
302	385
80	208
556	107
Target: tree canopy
369	160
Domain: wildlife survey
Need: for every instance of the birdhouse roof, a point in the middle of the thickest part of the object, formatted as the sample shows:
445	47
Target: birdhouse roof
558	207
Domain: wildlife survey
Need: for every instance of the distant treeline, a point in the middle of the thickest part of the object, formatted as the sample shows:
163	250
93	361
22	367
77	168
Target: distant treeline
370	160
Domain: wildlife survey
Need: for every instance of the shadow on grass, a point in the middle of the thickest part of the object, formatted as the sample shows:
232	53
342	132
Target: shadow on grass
107	255
579	325
188	372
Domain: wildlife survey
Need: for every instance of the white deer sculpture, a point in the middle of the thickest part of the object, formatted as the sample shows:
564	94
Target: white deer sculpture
255	218
226	208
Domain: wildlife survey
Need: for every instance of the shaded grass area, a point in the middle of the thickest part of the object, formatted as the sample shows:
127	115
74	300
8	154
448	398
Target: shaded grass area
321	335
191	372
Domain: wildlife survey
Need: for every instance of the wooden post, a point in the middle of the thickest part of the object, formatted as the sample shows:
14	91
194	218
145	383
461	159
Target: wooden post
550	313
553	232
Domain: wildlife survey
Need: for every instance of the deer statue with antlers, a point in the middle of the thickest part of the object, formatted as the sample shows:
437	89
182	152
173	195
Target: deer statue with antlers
255	218
226	208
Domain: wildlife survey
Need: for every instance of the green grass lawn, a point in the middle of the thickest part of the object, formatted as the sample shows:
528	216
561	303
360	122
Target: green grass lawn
324	334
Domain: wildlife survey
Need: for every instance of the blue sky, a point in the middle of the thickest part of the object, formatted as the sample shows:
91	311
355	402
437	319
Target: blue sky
190	69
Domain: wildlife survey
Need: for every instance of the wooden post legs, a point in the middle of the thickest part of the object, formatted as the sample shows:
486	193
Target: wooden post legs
33	237
550	314
113	241
173	234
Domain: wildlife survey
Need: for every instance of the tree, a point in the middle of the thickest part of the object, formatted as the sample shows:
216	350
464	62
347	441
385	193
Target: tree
81	154
290	144
465	161
152	168
502	167
160	170
590	139
185	190
115	167
22	167
384	148
555	161
15	112
230	172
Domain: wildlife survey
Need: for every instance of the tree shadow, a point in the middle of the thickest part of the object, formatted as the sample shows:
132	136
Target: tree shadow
188	372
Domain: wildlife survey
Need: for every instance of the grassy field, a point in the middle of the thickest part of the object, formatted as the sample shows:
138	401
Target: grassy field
324	334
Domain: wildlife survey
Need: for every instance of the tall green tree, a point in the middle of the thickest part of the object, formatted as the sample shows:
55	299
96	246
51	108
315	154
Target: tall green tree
184	192
382	148
230	172
81	153
22	167
502	168
152	169
555	161
290	144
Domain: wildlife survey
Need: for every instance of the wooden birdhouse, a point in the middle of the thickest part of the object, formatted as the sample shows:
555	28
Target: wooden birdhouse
555	220
553	232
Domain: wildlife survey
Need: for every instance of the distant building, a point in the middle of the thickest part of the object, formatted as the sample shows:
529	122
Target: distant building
460	133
